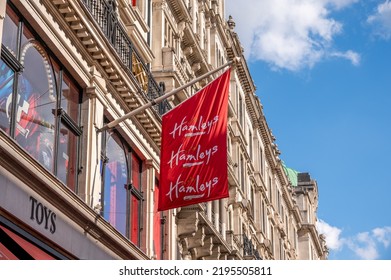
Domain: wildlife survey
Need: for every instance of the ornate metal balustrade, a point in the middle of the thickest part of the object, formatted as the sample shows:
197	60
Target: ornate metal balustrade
249	250
105	14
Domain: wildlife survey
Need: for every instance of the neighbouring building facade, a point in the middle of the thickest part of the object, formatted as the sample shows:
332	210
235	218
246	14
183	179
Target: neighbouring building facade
71	191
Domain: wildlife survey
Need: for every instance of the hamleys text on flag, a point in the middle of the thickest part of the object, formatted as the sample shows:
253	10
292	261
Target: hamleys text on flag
193	164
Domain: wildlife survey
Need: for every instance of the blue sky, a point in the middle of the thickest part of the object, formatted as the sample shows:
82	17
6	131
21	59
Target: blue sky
323	74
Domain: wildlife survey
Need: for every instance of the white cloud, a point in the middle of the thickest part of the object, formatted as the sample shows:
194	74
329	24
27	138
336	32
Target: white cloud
332	234
289	34
383	235
381	20
349	55
366	245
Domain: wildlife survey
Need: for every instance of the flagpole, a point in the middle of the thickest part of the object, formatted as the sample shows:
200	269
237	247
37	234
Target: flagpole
161	98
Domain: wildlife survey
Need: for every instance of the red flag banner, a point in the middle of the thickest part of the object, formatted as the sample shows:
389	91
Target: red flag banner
193	162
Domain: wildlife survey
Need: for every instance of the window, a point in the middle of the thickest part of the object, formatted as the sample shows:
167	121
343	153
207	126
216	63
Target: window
198	25
237	96
6	84
270	191
250	145
240	111
205	43
122	195
272	238
229	140
281	245
115	178
230	220
261	160
135	199
253	204
222	217
264	216
287	226
242	174
39	101
168	35
11	31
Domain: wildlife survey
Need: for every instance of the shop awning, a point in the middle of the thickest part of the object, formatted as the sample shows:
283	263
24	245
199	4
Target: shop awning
35	252
6	254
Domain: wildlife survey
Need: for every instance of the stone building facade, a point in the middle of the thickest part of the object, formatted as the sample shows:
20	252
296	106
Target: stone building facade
72	191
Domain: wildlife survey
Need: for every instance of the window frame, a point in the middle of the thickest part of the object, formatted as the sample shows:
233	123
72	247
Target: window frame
60	116
132	191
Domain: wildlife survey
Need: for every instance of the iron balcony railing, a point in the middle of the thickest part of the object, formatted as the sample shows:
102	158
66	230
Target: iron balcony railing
249	249
105	14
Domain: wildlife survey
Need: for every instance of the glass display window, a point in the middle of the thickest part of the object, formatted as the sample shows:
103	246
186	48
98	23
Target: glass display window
122	189
6	88
10	31
39	101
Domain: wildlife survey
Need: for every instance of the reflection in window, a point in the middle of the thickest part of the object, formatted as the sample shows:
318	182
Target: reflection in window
39	102
10	31
66	157
6	83
136	197
115	185
122	196
70	98
35	122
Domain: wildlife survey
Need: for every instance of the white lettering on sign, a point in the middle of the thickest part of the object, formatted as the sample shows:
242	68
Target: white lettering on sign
200	127
195	189
198	157
186	156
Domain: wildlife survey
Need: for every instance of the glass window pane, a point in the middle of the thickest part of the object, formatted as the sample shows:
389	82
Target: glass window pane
70	98
135	207
36	102
115	183
135	220
27	36
136	171
67	157
6	85
10	31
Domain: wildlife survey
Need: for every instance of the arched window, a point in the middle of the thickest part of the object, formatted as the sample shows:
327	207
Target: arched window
36	104
39	101
115	184
122	187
